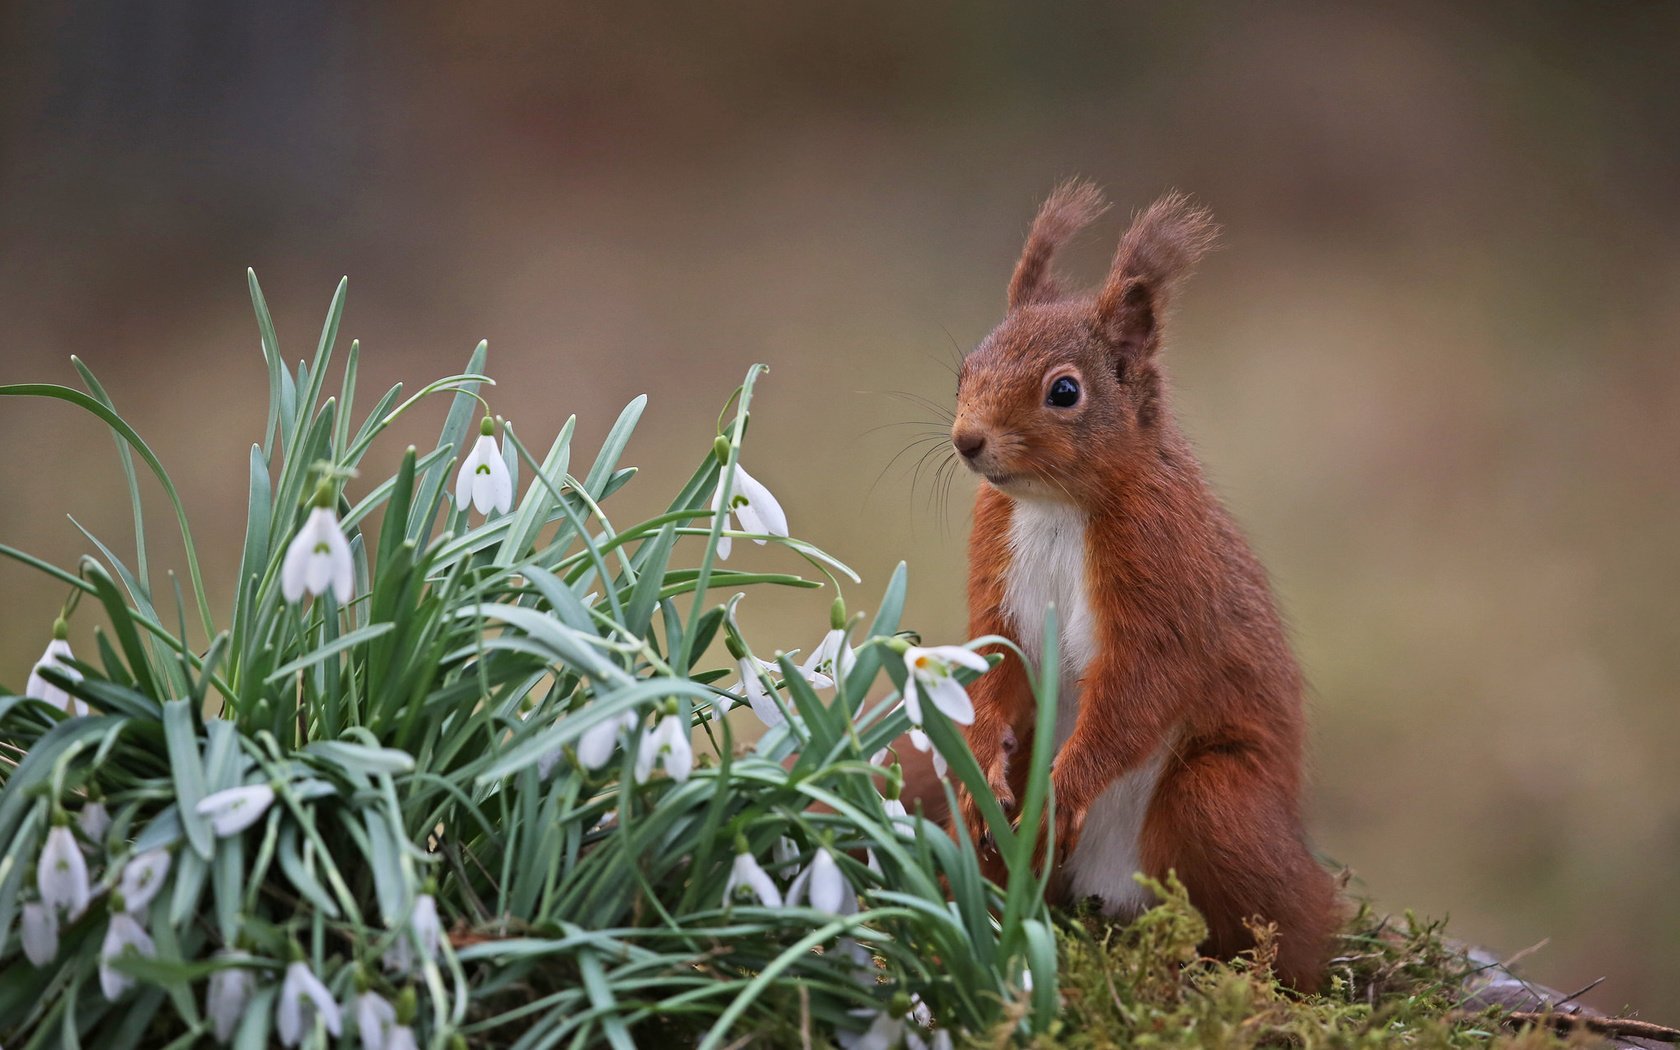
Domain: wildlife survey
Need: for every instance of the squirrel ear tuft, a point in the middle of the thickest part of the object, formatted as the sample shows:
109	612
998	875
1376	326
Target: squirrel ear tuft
1071	207
1160	249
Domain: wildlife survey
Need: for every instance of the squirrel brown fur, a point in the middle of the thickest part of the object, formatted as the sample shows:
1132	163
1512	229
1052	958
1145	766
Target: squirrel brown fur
1180	722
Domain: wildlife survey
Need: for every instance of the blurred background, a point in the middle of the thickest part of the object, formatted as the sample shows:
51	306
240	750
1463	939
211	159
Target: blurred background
1434	370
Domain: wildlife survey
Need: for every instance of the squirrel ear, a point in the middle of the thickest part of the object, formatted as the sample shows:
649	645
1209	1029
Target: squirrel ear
1159	250
1071	207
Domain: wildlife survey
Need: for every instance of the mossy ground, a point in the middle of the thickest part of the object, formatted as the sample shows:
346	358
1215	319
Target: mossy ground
1393	982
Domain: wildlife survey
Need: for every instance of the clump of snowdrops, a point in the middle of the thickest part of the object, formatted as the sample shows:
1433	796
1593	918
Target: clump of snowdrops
453	771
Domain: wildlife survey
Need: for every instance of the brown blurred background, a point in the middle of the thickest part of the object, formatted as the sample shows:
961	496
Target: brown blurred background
1434	371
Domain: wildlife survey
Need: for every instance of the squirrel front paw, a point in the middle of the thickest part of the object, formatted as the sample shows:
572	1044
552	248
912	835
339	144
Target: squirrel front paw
994	763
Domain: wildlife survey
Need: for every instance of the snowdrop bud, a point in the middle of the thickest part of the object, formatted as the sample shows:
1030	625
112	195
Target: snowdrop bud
303	999
124	935
424	932
57	652
228	996
484	480
94	820
40	933
62	873
233	810
142	877
319	555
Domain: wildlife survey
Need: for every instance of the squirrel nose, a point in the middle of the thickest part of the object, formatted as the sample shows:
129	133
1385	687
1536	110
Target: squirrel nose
968	442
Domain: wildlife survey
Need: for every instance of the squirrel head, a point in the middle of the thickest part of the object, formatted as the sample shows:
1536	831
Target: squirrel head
1067	382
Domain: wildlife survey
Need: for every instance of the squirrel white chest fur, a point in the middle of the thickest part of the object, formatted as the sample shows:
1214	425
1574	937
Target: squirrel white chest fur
1048	565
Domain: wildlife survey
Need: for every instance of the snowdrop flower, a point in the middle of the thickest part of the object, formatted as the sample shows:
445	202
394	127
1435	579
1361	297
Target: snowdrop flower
94	820
832	659
423	930
235	809
596	746
888	1031
142	877
824	885
123	935
747	880
319	556
303	998
375	1018
784	853
57	652
62	873
752	504
758	694
229	996
40	933
484	477
919	740
401	1038
931	671
667	744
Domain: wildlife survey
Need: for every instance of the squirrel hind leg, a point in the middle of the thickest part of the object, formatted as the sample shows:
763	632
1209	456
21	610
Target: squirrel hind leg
1236	843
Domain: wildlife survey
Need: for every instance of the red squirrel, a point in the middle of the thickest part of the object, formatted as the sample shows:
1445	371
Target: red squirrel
1179	723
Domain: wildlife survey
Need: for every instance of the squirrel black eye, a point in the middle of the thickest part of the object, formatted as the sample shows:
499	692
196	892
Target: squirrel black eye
1064	393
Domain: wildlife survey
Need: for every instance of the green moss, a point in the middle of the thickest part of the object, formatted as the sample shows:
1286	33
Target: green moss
1143	984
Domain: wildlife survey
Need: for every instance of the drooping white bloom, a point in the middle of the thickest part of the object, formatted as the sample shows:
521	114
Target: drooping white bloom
758	695
886	1032
123	935
596	746
303	998
830	661
94	820
484	479
229	996
931	672
666	744
753	505
234	809
40	933
919	740
784	852
142	877
62	873
401	1038
824	886
747	881
318	558
375	1017
424	930
38	688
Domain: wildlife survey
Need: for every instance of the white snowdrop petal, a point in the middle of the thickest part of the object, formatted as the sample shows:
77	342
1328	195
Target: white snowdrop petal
233	810
596	744
767	511
124	934
61	874
228	997
828	886
39	933
142	877
375	1017
913	702
725	544
94	820
401	1038
950	697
